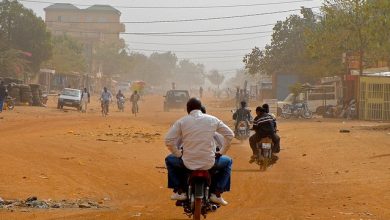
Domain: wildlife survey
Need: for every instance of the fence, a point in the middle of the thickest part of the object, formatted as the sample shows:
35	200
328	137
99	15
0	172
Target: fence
374	98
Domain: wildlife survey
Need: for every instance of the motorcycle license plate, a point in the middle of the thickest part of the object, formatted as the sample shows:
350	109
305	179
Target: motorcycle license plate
266	145
242	128
68	103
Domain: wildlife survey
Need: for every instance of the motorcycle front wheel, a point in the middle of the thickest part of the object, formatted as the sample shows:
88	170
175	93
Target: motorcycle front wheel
307	114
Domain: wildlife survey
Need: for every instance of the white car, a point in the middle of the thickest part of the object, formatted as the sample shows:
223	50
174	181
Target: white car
70	98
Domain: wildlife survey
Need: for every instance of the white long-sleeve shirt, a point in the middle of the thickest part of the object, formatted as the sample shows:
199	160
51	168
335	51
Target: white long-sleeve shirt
196	131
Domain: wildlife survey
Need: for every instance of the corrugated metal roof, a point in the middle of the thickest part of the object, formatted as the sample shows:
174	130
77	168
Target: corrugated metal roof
62	6
387	74
102	8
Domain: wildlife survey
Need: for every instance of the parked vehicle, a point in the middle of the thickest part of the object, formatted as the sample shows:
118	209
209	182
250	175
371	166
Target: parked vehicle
317	97
198	203
70	98
176	99
123	86
9	103
296	110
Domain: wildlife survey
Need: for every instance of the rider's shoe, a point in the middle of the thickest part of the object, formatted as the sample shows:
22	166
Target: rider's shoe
253	159
179	197
217	200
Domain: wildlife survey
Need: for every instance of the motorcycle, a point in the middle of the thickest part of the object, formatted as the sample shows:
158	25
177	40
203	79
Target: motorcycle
242	132
198	203
44	99
297	110
121	104
9	103
351	110
265	157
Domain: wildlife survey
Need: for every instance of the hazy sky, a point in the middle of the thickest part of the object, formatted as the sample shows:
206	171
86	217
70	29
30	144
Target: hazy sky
232	60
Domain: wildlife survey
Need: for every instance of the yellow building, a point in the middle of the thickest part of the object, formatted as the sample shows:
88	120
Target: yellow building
92	26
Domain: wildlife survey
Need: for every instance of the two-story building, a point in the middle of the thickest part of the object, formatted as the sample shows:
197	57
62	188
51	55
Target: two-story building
92	26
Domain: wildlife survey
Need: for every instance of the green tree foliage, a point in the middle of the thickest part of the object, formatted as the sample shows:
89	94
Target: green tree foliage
347	34
215	77
67	56
189	74
287	51
12	62
24	31
379	29
344	28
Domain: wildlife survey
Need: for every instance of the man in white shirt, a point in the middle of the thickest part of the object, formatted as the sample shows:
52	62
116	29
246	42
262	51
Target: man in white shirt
196	132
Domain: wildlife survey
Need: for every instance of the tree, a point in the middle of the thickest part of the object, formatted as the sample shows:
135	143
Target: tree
25	32
253	61
12	62
379	29
216	78
67	56
287	51
189	74
344	28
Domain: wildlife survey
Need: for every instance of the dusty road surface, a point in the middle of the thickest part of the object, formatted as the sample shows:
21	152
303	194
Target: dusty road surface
118	161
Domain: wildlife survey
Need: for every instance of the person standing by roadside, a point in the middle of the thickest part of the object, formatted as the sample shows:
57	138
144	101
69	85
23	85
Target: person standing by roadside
85	99
3	95
134	101
201	92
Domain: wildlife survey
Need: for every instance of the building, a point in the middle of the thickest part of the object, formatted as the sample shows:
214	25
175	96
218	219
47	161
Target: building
93	26
374	96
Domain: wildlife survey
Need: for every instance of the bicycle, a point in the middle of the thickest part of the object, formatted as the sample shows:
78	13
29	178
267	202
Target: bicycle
104	106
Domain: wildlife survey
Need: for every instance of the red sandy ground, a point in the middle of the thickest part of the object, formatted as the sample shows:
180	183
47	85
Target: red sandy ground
321	174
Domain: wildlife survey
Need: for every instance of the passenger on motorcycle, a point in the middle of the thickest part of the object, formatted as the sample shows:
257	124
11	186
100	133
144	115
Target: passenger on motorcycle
242	114
266	108
191	142
263	124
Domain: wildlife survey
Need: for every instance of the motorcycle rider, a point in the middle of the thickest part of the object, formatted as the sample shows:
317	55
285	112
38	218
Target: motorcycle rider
118	96
242	114
195	134
263	124
106	97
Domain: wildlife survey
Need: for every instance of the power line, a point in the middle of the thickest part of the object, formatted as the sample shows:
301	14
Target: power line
190	20
181	7
217	57
189	51
210	30
196	35
198	43
161	35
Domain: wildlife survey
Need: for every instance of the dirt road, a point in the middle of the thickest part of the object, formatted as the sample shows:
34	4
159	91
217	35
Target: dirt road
119	162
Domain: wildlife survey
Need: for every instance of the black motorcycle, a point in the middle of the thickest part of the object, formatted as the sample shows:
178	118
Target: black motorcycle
297	110
198	203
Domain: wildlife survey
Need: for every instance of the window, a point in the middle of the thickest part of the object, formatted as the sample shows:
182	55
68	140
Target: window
59	18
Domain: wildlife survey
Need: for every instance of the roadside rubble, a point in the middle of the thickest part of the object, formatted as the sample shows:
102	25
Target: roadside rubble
34	203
